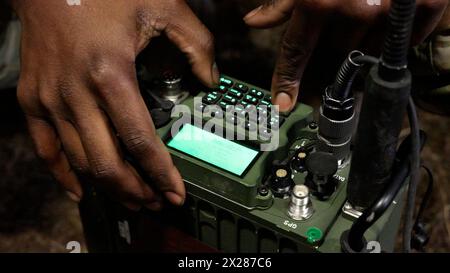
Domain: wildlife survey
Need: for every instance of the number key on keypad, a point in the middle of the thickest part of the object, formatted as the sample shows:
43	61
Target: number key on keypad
229	99
211	98
235	93
250	99
241	87
256	93
226	82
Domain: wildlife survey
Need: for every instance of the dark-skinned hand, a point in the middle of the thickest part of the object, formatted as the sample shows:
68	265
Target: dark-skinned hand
348	24
79	91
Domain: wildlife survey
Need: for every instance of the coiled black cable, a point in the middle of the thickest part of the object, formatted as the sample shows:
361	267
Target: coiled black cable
427	196
347	73
420	236
414	179
394	59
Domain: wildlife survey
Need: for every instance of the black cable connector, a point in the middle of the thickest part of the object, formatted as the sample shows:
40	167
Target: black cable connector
337	113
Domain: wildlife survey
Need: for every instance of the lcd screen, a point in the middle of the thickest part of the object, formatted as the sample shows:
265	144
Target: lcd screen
213	149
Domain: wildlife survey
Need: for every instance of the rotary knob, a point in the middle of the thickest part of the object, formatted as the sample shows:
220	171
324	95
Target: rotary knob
321	169
171	88
281	182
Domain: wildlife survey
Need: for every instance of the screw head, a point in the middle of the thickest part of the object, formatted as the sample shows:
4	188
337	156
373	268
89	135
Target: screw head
263	191
313	125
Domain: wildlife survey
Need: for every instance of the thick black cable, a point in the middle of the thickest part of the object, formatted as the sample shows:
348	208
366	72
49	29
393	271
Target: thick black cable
420	236
347	73
401	171
427	195
394	58
415	167
366	59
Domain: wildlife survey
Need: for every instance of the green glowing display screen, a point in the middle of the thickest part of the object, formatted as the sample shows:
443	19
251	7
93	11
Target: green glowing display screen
213	149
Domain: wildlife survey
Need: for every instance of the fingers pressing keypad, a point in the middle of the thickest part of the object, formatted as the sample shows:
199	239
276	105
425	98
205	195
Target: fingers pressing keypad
252	106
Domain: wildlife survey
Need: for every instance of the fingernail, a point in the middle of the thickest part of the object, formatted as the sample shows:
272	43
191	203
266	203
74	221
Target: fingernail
215	74
132	206
175	198
284	101
155	206
252	13
74	197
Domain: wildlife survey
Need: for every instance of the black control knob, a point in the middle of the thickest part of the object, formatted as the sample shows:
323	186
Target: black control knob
321	168
281	181
298	162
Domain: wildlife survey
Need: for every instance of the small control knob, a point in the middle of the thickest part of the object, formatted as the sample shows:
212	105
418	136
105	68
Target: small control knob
171	87
281	182
300	206
171	83
298	162
321	168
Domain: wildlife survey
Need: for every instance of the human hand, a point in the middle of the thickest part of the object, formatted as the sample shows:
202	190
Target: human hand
79	91
350	24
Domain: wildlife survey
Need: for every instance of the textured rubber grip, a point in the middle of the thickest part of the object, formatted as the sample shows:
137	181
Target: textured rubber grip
335	130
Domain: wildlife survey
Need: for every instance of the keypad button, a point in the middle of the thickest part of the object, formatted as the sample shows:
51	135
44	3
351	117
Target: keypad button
241	87
229	99
226	106
250	108
211	98
239	108
235	93
263	110
226	82
222	89
256	93
250	99
244	103
266	103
